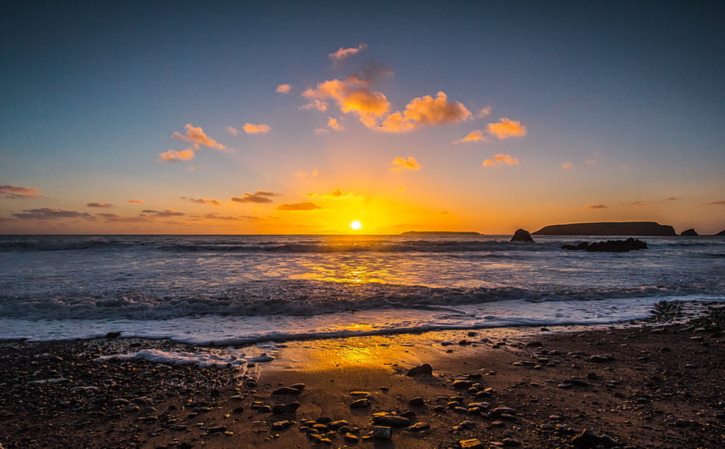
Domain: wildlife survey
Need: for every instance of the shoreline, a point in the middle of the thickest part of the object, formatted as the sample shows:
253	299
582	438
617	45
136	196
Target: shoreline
661	387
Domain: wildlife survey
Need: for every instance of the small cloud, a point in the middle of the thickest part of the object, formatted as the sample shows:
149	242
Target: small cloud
118	219
352	95
473	136
299	206
334	124
314	173
596	206
343	53
177	156
484	112
506	128
215	216
259	128
196	135
567	165
637	203
672	198
161	213
206	201
284	88
100	205
400	164
321	131
716	203
426	111
257	197
18	192
45	213
135	201
314	103
500	159
233	131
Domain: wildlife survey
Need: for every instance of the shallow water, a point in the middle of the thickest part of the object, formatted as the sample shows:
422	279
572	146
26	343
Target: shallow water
252	288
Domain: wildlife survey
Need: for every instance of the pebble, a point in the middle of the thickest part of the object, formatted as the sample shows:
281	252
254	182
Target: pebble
382	432
421	370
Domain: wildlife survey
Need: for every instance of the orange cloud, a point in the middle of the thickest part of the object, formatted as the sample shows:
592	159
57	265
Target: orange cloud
298	206
100	205
506	128
333	123
400	164
177	156
473	136
196	135
343	53
500	159
596	206
426	111
135	201
19	192
352	95
716	203
161	213
46	213
259	128
259	196
284	88
567	166
206	201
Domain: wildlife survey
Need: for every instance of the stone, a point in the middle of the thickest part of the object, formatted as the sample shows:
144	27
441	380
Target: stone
585	440
360	403
417	402
522	235
609	246
419	426
391	420
352	438
286	390
689	233
284	409
421	370
472	443
281	425
112	335
382	432
601	358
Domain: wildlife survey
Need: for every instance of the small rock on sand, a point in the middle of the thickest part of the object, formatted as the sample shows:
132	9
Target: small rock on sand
421	370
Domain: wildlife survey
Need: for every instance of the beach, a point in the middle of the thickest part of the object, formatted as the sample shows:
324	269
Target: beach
651	383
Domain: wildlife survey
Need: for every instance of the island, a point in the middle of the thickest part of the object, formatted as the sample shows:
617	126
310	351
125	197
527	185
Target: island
443	233
642	228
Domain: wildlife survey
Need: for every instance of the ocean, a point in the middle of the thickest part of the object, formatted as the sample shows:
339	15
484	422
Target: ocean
248	289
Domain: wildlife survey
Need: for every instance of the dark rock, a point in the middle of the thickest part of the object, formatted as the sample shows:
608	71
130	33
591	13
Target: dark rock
417	402
391	420
643	228
284	409
689	233
382	432
601	358
281	425
421	370
360	403
585	440
522	235
610	246
112	335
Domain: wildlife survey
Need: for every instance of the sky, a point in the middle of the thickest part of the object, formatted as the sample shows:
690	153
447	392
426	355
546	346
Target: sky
303	117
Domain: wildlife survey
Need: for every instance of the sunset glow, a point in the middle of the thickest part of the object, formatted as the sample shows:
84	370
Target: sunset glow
355	225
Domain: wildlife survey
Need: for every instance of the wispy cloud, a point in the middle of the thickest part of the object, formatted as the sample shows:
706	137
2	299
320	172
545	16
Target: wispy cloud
100	205
334	124
259	196
638	203
256	128
506	128
499	159
177	155
672	198
473	136
206	201
284	88
298	206
567	165
161	213
400	163
196	136
426	111
596	206
484	112
113	218
46	213
18	192
135	201
343	53
215	216
716	203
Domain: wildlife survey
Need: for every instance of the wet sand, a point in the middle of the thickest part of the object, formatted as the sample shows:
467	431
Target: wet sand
651	384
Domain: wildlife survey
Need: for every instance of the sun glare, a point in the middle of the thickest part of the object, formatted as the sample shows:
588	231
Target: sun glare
355	225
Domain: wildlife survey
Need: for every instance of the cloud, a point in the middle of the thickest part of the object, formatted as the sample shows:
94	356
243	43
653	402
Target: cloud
233	131
177	156
215	216
637	203
672	198
307	174
100	205
500	159
259	128
716	203
206	201
161	213
257	197
284	88
343	53
118	219
135	201
18	192
596	206
352	95
196	136
400	163
484	112
299	206
50	214
506	128
567	165
473	136
334	124
426	111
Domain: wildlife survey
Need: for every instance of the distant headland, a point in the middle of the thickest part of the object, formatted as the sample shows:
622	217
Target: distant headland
641	228
440	233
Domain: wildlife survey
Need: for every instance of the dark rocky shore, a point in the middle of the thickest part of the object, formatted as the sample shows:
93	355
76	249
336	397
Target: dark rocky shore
653	385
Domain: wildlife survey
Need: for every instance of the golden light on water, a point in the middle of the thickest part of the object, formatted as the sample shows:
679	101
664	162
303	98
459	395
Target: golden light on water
356	225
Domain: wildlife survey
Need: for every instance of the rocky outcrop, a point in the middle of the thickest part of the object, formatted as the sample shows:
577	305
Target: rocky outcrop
643	228
689	233
721	233
522	235
610	246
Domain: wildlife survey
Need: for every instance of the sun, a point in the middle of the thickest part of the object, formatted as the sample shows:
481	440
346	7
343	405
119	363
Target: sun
355	225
